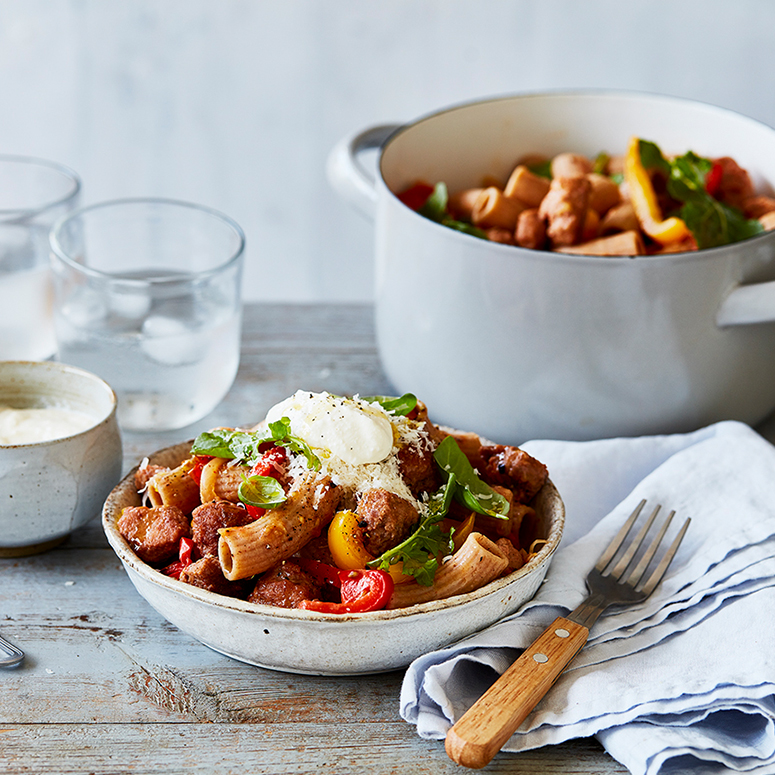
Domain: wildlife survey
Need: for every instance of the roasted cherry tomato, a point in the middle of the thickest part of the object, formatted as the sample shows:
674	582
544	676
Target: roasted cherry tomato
272	463
345	541
713	178
362	590
416	196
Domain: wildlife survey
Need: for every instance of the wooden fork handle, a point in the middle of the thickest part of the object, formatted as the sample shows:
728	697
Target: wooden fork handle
494	717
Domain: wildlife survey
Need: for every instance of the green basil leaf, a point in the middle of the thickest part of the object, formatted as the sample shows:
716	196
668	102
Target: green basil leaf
400	405
714	223
542	168
435	206
262	491
217	443
687	177
651	157
474	493
601	163
466	228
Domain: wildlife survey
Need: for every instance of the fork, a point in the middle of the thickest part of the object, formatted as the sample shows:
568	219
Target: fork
481	732
10	656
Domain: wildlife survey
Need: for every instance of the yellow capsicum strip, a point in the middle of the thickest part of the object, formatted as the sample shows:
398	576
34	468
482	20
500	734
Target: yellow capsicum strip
345	542
644	201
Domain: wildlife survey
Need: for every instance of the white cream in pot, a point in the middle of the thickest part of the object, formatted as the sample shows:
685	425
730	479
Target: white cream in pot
31	426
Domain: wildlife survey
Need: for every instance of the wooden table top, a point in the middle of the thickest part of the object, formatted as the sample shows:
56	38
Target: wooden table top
108	686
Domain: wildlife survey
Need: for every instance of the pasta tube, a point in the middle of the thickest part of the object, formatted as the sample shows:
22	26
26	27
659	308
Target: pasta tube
619	218
478	562
603	193
526	186
174	488
494	209
462	203
220	481
256	547
626	243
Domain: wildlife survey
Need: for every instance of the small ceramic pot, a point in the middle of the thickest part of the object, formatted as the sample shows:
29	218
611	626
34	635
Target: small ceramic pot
529	344
50	488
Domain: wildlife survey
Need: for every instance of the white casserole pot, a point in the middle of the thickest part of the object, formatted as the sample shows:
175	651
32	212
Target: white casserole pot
528	344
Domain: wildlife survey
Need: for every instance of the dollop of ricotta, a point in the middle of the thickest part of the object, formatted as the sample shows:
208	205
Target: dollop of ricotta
354	431
30	426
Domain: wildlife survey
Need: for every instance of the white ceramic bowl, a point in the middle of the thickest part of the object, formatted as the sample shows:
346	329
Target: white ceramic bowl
530	344
299	641
50	488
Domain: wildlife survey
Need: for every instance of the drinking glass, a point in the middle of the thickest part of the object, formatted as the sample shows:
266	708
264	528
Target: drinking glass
147	296
34	193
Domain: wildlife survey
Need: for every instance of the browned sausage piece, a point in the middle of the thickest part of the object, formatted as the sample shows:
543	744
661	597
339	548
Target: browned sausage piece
514	556
417	468
387	519
286	586
564	208
206	574
531	230
513	468
570	165
208	518
735	185
154	533
757	206
142	475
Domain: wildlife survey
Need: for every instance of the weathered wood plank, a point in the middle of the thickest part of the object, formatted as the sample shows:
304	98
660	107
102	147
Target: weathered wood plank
350	747
100	647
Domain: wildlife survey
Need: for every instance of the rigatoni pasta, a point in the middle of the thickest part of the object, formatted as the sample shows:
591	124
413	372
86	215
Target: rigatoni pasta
478	562
340	505
572	204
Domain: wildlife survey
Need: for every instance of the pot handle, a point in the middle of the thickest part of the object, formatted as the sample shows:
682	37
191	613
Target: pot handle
754	303
346	173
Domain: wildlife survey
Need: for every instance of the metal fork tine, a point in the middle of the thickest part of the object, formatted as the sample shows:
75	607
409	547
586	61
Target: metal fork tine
626	559
659	571
640	569
613	547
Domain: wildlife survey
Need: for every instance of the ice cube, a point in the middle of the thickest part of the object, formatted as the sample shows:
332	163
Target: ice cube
169	341
86	308
129	305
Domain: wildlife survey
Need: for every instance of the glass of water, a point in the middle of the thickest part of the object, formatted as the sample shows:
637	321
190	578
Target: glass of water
34	193
147	296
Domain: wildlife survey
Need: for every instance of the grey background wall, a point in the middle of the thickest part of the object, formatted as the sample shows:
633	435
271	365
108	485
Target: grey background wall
236	103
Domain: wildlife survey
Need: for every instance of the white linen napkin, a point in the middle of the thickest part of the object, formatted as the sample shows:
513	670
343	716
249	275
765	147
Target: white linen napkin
682	683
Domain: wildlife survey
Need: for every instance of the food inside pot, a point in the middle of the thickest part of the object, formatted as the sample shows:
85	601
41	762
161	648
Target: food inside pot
339	505
637	204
